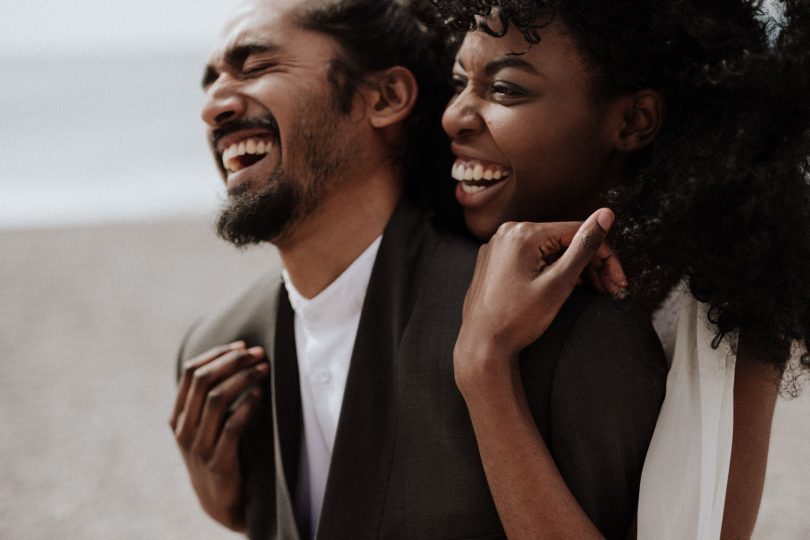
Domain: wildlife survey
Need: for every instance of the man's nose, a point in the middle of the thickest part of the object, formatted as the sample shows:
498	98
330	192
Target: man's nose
462	115
222	104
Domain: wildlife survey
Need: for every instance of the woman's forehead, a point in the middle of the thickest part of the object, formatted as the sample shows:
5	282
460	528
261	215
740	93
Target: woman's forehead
555	46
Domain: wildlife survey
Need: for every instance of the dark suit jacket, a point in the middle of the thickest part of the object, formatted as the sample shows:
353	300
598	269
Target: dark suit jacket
405	462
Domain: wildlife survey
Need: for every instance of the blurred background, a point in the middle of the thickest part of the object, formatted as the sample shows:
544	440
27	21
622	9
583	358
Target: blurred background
100	116
107	254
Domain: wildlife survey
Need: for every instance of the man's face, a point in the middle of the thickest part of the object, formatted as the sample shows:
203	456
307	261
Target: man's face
274	128
530	143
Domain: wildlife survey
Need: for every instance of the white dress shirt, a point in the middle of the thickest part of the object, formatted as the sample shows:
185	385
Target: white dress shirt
325	331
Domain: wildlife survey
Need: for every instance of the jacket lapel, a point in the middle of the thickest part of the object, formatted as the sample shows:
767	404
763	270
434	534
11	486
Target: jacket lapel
269	509
287	419
271	455
358	476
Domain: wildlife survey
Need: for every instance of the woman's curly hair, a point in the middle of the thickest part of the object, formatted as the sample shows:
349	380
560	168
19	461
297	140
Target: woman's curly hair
721	198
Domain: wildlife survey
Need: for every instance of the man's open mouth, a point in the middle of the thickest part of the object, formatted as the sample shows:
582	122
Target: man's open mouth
475	175
249	151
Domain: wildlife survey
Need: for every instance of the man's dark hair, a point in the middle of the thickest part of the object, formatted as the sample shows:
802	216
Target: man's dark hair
721	198
378	34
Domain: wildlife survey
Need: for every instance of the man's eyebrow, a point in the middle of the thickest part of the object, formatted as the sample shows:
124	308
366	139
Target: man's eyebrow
235	56
509	62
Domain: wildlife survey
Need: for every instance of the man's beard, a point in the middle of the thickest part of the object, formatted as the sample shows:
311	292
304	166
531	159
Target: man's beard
272	212
251	217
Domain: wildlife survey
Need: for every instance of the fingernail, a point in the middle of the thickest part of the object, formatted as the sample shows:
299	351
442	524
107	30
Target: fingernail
605	219
261	369
237	344
256	351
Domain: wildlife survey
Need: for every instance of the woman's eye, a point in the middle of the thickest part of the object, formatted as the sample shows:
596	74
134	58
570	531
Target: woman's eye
459	84
507	90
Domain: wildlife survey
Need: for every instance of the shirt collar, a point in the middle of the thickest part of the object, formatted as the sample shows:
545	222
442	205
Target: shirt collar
342	299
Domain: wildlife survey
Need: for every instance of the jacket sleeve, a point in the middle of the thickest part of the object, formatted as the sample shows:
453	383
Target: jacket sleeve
607	387
182	353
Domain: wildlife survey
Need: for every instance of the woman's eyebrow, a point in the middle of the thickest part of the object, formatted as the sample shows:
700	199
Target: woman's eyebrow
510	62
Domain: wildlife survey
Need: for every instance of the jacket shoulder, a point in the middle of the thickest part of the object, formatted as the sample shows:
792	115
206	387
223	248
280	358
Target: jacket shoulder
449	271
617	336
606	390
455	252
249	317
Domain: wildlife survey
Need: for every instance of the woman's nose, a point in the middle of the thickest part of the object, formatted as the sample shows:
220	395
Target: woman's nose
461	115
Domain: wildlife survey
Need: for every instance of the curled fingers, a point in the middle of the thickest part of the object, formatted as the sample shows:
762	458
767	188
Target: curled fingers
221	402
226	449
203	380
187	375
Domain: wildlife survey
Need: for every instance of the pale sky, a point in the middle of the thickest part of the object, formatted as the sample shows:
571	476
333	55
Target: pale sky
76	26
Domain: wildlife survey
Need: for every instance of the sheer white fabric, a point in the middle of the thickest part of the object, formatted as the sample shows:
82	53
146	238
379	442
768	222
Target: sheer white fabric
683	484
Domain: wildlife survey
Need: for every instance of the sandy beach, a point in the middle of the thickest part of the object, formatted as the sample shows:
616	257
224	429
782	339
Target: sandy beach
91	318
90	321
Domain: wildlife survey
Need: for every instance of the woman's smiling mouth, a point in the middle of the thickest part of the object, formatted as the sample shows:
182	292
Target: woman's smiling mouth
475	175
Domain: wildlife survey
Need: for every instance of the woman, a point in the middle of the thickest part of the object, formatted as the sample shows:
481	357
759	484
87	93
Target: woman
694	118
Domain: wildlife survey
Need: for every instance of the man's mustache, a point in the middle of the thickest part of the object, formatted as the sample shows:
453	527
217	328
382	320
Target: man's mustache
267	122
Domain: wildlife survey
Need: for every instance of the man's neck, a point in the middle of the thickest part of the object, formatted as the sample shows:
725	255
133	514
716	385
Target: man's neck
339	231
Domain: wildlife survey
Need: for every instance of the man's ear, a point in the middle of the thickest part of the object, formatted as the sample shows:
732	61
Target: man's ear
642	117
390	97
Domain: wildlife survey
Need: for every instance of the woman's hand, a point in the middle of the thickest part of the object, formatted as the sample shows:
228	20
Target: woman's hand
521	281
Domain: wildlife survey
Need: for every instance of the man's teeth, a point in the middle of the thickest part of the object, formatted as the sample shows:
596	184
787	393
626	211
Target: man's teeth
471	171
251	146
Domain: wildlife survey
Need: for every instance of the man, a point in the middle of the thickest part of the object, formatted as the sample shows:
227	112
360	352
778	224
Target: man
319	114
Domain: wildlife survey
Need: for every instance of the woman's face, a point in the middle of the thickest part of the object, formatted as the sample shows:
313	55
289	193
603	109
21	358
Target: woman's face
530	143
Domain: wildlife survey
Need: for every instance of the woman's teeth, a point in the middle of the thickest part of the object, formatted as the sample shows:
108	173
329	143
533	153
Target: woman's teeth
476	176
233	158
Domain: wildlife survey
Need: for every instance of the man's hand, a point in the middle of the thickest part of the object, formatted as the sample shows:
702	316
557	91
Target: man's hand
520	283
216	399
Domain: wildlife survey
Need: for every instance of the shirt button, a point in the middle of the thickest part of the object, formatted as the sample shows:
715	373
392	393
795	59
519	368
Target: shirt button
325	377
